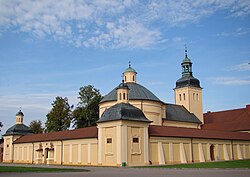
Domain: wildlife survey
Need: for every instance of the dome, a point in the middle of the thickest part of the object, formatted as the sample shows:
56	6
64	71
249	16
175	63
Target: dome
186	60
136	92
123	111
20	113
129	69
122	86
18	129
188	81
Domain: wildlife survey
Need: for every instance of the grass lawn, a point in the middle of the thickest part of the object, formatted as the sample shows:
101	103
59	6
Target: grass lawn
224	164
37	169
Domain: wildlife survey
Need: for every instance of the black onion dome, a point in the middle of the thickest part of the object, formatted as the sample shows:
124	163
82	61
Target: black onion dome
18	129
136	92
123	111
187	81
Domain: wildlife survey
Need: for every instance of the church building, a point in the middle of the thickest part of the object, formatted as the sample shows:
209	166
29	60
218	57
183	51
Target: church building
137	128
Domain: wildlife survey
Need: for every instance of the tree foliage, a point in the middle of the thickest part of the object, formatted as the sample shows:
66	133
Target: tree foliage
87	112
59	118
36	126
1	125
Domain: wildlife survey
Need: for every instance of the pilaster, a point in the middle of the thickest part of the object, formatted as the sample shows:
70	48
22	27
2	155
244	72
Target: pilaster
161	154
183	154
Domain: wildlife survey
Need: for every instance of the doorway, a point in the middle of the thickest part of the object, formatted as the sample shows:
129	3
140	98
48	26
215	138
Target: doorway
46	155
212	152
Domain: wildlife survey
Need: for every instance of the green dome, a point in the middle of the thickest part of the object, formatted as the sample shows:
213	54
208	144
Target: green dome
129	69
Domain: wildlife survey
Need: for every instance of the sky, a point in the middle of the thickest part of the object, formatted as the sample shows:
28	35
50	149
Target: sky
52	48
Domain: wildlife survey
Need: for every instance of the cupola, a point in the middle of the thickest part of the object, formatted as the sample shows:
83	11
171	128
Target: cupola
19	117
129	75
122	93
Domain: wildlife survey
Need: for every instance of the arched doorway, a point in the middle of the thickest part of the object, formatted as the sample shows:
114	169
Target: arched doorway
212	152
46	155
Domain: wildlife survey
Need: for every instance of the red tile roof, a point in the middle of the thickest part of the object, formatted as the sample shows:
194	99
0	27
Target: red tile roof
89	132
230	120
166	131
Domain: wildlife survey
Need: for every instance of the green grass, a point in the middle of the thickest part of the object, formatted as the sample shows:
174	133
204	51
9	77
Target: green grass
20	169
224	164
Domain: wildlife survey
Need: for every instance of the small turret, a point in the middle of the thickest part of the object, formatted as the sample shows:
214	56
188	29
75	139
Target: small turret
122	93
129	75
19	117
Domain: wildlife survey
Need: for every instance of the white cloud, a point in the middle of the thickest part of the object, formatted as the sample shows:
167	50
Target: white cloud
236	33
106	23
242	67
232	81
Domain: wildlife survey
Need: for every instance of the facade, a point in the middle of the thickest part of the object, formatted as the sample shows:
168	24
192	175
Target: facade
136	128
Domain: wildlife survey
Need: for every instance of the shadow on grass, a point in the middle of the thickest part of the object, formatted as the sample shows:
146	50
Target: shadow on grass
18	169
224	164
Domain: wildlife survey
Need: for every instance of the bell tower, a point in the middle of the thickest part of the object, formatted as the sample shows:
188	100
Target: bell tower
188	91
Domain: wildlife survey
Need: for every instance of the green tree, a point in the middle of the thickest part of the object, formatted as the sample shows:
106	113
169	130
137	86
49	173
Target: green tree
36	126
87	112
59	118
1	125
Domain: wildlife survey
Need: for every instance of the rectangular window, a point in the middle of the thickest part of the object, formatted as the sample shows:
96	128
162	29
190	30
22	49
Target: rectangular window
136	149
135	140
109	140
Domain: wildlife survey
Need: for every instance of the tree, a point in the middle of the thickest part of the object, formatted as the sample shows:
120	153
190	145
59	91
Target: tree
59	118
36	126
1	125
87	112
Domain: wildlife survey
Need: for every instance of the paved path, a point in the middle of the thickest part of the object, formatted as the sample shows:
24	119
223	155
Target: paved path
136	172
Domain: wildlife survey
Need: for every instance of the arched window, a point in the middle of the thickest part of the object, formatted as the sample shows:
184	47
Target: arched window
180	97
197	96
125	78
124	96
133	78
184	96
193	96
120	96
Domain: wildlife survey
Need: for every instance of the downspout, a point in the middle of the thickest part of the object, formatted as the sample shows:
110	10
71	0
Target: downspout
33	150
12	155
61	152
192	154
232	145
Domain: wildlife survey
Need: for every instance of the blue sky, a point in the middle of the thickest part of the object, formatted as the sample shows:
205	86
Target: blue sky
51	48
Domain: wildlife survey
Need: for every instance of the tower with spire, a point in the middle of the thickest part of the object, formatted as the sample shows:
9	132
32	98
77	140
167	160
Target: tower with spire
188	91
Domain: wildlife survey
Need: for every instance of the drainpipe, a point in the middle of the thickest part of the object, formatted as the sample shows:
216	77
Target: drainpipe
33	150
232	149
61	152
192	154
12	154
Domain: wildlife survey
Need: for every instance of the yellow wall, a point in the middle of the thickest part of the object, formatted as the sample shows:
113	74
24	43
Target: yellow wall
68	152
192	101
180	124
184	150
124	148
